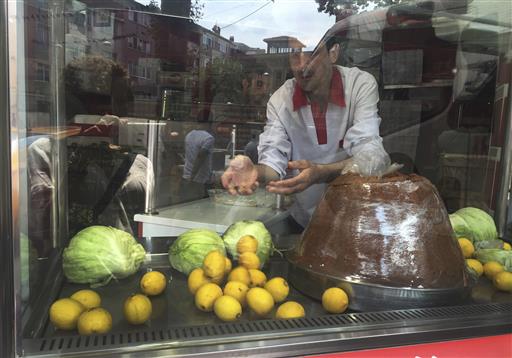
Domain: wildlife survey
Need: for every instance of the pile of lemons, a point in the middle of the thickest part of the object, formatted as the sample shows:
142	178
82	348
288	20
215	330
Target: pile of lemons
83	311
493	270
246	286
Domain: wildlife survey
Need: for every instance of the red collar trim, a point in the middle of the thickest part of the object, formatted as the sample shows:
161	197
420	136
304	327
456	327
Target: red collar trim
336	95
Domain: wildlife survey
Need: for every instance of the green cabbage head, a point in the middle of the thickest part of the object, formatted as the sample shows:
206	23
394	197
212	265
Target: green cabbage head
191	247
253	228
502	256
98	254
473	224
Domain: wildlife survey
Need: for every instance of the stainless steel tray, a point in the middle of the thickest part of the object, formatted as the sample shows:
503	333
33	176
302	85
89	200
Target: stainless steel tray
370	297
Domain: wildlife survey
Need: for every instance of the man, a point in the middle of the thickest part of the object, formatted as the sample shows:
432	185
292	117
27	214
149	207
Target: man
316	123
197	173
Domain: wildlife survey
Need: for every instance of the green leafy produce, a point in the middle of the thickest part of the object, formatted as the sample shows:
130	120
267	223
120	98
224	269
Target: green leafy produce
191	247
98	254
473	224
253	228
488	244
502	256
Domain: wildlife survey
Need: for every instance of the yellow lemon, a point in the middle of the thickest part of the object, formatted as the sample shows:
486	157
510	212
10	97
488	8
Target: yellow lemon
258	278
476	266
196	279
214	264
278	288
88	298
227	308
206	296
335	300
247	243
466	246
506	246
64	313
153	283
240	274
503	281
228	266
290	309
492	268
249	260
237	290
260	301
137	309
94	321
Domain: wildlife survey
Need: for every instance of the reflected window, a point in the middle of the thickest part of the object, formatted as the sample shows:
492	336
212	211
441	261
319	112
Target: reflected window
42	72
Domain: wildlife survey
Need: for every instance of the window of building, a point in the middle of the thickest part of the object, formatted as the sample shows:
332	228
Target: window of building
101	18
42	72
41	32
131	41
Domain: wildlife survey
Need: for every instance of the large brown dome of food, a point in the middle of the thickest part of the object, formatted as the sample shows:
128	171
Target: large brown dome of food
392	231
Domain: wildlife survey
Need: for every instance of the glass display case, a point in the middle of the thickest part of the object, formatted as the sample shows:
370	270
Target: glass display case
128	126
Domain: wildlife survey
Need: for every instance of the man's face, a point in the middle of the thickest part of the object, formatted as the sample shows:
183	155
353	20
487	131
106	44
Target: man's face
312	72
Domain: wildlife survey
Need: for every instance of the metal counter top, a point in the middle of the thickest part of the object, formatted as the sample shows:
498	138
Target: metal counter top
205	214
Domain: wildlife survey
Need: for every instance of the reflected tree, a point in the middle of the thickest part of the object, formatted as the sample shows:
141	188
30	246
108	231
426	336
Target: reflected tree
335	7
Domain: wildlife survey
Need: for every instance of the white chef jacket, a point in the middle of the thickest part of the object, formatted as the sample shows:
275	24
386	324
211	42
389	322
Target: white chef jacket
292	133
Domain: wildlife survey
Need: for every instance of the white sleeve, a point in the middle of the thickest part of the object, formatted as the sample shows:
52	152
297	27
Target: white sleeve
274	148
363	135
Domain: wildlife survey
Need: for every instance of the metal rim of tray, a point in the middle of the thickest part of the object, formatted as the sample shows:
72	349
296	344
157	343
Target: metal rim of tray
374	297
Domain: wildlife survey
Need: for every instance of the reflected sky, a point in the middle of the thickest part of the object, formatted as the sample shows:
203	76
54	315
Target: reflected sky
297	18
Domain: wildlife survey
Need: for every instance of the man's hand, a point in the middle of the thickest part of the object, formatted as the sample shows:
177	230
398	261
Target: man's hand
241	177
309	174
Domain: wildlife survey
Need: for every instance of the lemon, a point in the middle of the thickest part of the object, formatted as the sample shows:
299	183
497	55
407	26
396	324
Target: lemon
506	246
196	279
258	278
467	247
492	268
278	288
335	300
503	281
240	274
64	313
249	260
137	309
247	243
260	301
228	267
227	308
237	290
206	296
153	283
88	298
94	321
476	266
290	309
214	264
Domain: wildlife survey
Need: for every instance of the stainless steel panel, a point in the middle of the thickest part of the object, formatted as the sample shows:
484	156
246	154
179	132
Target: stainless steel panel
506	170
7	313
56	13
